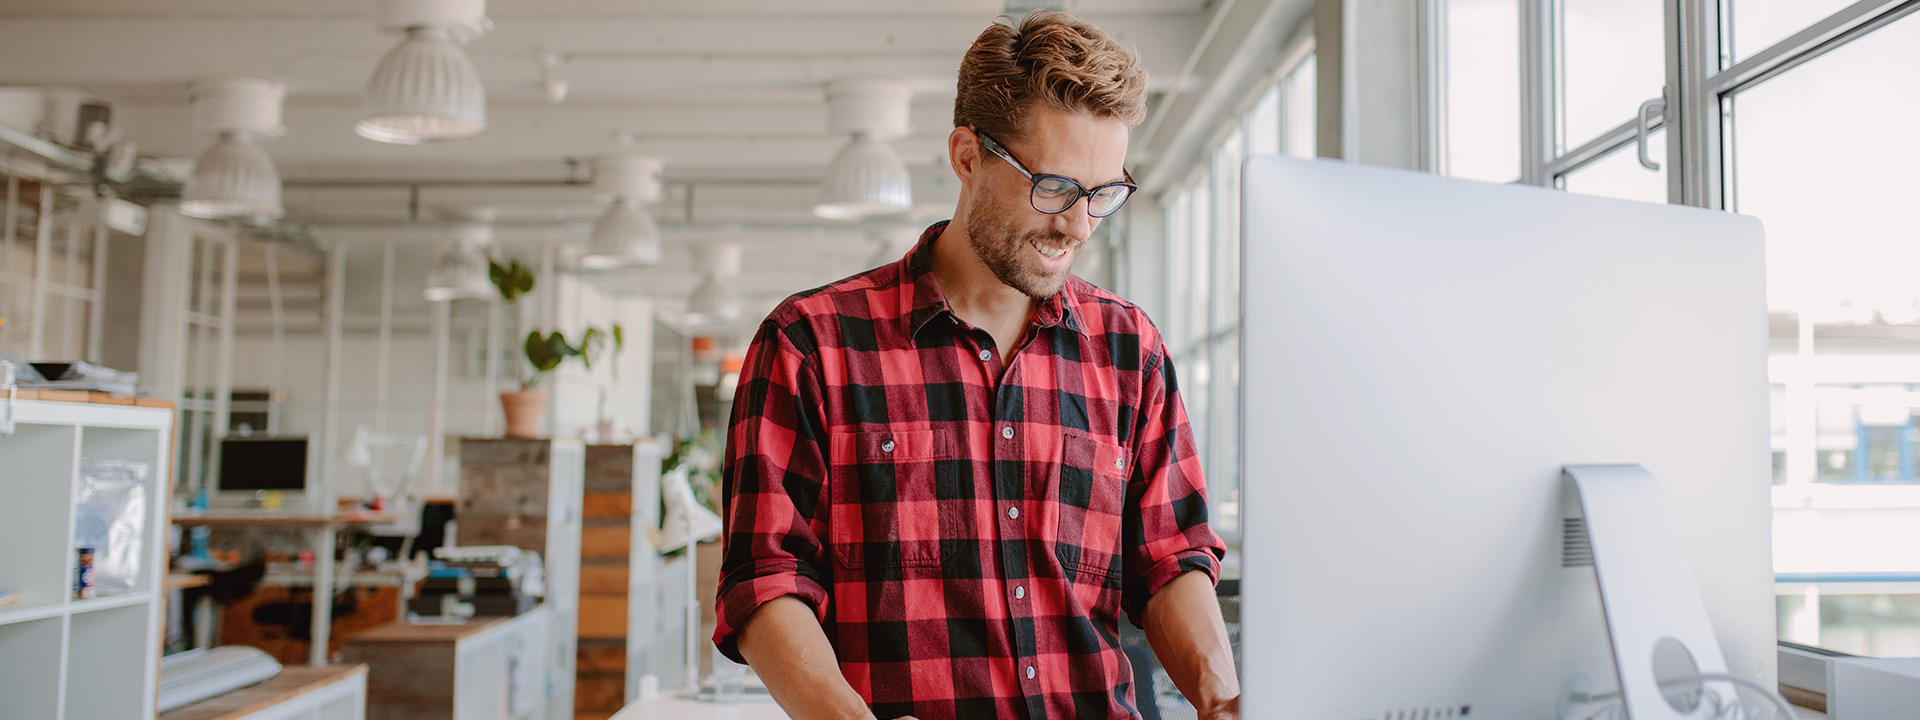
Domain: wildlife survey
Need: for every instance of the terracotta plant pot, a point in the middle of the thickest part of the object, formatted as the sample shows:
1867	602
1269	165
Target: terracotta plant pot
523	410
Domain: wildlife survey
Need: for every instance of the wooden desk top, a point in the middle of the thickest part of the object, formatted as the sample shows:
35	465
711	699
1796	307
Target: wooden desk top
405	633
275	518
292	682
182	581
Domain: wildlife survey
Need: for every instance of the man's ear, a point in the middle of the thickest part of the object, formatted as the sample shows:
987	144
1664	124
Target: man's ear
963	153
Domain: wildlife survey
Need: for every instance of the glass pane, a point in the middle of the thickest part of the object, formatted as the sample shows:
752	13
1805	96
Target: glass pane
1836	617
1223	466
1760	23
1263	124
1835	187
1619	174
1614	60
1298	106
1179	291
1198	252
1225	284
1483	89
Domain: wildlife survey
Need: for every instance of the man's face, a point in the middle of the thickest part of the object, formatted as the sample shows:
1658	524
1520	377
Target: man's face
1029	250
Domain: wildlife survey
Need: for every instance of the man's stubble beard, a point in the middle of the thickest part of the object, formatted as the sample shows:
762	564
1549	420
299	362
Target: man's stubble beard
990	232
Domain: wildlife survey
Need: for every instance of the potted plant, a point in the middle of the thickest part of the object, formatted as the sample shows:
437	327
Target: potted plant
544	353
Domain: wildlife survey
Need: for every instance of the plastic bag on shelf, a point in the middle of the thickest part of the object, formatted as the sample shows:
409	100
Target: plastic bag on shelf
111	518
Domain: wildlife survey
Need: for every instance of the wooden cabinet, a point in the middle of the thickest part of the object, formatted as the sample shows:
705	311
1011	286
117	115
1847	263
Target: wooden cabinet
528	493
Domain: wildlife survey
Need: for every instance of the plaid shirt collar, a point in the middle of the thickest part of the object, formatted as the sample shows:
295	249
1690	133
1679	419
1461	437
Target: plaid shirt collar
922	301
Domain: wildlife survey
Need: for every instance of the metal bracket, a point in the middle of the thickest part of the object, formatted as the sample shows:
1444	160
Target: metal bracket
1656	621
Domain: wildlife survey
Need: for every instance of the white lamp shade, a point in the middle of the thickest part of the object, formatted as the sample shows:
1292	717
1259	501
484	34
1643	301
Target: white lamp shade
867	179
233	179
624	237
714	300
459	274
426	90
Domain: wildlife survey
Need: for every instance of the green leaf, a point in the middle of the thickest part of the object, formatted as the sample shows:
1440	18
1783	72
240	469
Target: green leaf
619	338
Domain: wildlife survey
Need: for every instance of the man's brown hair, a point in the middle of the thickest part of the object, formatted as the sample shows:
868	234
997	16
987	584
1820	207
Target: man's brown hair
1051	58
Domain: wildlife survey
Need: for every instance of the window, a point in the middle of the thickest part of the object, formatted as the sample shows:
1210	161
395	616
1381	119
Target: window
1301	131
1618	174
1201	325
1483	90
1819	151
1614	58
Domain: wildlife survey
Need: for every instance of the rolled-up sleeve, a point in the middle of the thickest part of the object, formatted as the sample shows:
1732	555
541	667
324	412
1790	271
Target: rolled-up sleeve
773	483
1166	532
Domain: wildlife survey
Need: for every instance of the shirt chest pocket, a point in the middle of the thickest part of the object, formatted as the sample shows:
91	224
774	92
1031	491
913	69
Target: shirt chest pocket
884	490
1091	494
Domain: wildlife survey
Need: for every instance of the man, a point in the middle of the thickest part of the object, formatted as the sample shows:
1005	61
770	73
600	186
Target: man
946	476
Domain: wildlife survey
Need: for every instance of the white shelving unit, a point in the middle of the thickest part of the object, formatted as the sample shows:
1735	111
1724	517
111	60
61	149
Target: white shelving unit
62	658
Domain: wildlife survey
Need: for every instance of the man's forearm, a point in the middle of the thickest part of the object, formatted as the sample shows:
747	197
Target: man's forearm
784	644
1184	627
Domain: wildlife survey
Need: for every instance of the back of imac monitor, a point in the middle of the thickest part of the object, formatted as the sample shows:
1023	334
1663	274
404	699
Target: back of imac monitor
1421	358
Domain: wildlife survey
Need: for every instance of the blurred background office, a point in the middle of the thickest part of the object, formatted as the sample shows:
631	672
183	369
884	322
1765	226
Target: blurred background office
341	222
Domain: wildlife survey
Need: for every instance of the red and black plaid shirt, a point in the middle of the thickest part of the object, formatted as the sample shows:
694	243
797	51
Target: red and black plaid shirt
967	544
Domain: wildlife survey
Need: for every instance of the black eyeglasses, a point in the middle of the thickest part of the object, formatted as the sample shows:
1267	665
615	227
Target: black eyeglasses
1053	194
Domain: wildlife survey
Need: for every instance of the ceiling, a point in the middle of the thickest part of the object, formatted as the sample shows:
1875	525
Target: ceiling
727	92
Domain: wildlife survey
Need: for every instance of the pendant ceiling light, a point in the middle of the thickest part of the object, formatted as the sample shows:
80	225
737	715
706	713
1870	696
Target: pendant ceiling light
461	271
626	235
716	299
235	178
867	177
426	89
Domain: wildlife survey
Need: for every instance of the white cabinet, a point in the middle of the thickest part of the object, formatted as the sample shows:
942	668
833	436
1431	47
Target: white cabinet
62	658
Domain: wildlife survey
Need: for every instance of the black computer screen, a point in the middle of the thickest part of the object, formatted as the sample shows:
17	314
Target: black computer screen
263	464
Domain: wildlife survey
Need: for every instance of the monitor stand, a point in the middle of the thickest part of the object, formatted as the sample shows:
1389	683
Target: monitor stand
1655	618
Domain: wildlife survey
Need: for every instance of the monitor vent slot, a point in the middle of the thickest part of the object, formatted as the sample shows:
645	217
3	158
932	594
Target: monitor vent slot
1576	550
1432	712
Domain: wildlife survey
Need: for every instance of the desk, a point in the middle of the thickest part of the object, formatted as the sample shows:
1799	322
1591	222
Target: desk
668	706
294	690
323	529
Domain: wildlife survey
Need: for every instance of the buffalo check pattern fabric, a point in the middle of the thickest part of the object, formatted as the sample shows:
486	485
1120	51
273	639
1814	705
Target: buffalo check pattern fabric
967	522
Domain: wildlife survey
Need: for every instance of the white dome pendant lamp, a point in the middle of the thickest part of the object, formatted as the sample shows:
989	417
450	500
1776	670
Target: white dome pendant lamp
235	178
717	299
626	235
426	90
867	178
462	270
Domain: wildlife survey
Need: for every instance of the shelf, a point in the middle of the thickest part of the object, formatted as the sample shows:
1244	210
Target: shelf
108	673
12	614
30	668
108	603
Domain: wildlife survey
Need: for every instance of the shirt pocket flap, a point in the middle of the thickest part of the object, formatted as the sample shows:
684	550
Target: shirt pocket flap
891	446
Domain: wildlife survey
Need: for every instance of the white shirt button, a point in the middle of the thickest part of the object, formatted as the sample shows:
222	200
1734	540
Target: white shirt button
1119	463
1019	592
1013	512
886	446
986	355
1007	432
1029	672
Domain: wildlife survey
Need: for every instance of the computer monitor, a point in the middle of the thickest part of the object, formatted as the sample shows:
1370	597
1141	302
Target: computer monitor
249	464
1421	357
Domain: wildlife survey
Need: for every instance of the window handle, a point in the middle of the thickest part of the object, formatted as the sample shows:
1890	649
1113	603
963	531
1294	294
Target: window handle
1643	127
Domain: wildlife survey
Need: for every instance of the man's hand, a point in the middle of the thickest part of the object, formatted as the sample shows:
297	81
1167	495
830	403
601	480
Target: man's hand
1184	627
